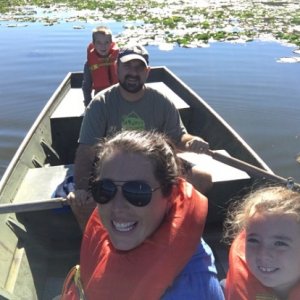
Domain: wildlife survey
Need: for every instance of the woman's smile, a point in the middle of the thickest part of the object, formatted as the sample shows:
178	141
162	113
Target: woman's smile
124	226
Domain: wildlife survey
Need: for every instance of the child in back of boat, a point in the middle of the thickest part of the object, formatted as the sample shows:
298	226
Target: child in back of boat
264	259
100	69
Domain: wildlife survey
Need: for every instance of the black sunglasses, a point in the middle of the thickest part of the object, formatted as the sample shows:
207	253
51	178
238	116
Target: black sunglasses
136	192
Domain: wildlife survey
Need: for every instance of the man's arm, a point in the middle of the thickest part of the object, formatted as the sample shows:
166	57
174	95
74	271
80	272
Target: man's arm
81	201
85	155
199	178
87	83
193	143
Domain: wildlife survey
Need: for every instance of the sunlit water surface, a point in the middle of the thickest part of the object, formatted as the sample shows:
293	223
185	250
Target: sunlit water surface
244	83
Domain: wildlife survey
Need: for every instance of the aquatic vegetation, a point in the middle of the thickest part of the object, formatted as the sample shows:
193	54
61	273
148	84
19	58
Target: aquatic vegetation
293	38
172	22
178	21
296	19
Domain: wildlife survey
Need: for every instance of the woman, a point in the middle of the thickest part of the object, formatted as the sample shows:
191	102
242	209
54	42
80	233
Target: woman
143	241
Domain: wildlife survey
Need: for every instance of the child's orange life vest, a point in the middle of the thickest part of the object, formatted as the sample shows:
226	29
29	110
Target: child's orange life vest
103	69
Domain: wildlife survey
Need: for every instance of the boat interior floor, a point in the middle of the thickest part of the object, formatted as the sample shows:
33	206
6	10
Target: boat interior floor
59	264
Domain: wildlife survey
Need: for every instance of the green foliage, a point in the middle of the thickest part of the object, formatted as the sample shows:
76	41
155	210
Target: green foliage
155	20
296	19
172	22
6	6
219	14
246	14
208	22
220	35
202	37
185	40
290	37
205	25
79	4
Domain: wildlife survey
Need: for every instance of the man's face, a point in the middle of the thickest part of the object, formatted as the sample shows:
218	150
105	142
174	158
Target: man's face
132	75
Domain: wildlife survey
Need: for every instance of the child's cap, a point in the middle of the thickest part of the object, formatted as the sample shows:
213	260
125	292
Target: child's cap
132	52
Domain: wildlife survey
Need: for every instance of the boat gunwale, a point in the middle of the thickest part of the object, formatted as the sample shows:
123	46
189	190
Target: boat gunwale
170	77
213	112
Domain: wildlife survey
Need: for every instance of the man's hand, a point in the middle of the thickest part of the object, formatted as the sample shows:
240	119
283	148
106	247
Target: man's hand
79	198
198	145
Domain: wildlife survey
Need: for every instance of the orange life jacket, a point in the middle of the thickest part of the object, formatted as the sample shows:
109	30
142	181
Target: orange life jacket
148	270
241	284
103	69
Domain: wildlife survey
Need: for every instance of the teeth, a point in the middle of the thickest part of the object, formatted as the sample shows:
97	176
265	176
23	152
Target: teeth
123	226
266	269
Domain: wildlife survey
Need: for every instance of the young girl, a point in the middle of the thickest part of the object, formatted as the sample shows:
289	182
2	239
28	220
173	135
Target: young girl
100	70
264	259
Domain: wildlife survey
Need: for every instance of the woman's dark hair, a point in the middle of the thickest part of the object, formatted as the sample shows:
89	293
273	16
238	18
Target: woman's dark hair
153	145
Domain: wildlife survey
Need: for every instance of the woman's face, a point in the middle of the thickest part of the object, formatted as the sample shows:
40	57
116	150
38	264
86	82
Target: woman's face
272	250
128	225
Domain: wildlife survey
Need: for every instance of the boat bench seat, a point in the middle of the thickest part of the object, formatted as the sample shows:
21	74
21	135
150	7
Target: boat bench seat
72	105
65	125
41	183
219	171
221	175
67	117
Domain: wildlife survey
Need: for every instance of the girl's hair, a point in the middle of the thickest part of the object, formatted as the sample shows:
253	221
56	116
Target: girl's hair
153	145
270	200
101	30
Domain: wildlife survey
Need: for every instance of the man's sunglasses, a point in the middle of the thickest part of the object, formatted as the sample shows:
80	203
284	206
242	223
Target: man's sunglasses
136	192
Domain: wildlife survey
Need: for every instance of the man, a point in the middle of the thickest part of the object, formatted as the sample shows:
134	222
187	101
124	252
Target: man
130	105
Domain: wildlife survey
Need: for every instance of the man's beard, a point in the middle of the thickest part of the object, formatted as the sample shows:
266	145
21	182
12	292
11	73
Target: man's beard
131	87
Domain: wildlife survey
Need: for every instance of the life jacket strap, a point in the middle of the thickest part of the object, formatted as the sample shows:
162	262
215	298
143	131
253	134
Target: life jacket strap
74	277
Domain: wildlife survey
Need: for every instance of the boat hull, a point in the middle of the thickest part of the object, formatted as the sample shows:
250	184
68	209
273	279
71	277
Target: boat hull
38	248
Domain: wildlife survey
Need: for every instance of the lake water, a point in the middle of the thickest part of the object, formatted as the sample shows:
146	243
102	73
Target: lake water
257	96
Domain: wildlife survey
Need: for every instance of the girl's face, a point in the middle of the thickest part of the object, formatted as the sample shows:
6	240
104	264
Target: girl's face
102	44
128	225
273	250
